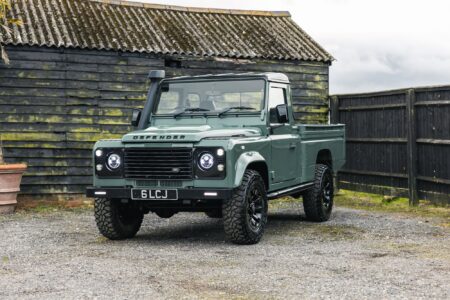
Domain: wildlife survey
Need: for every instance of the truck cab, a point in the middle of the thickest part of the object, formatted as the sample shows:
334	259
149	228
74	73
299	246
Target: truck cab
220	144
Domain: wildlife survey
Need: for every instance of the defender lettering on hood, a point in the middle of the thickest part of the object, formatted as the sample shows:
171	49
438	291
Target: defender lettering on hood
182	134
159	137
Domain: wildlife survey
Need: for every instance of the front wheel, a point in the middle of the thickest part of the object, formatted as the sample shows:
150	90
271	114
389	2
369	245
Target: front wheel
245	214
318	201
116	220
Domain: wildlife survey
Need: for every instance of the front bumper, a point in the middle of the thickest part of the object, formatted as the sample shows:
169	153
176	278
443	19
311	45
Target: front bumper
183	194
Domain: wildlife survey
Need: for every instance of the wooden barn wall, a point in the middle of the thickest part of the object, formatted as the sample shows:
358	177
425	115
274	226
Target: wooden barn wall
55	103
398	142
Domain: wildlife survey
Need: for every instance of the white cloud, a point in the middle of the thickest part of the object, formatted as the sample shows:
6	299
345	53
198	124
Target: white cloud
380	44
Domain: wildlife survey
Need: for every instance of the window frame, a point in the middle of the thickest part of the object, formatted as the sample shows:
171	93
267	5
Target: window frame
283	87
203	113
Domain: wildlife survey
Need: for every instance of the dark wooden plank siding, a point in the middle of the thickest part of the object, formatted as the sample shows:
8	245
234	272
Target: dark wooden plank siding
378	135
55	103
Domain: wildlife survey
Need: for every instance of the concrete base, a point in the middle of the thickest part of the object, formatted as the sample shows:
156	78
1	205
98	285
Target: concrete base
7	209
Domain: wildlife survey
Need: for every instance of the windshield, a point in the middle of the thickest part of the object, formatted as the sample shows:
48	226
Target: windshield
211	97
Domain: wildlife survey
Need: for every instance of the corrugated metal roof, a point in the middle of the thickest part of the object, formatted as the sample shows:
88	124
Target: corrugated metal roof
141	27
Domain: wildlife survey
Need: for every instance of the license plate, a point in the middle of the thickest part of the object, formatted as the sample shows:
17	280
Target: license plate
154	194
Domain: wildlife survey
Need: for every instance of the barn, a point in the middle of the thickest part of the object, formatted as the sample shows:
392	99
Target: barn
79	67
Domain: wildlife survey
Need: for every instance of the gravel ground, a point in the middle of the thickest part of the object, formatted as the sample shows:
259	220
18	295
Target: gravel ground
357	254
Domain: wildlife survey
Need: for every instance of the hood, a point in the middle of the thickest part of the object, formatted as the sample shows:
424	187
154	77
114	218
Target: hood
186	134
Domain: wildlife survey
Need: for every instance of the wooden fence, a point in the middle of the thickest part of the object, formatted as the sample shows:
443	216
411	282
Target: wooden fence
398	142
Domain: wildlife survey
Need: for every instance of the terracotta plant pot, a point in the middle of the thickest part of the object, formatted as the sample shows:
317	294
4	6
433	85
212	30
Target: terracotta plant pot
10	177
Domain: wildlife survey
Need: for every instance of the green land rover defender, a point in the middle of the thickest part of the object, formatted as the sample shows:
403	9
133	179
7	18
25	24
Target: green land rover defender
220	144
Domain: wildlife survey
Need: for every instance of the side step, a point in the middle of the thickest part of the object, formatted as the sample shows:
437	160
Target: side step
291	190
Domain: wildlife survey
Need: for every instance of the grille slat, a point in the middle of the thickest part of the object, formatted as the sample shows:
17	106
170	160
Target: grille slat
158	163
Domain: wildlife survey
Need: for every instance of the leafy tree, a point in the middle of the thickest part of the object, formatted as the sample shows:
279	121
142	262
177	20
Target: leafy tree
5	30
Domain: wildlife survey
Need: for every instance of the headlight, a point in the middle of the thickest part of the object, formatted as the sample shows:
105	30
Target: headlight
108	162
206	161
210	163
114	161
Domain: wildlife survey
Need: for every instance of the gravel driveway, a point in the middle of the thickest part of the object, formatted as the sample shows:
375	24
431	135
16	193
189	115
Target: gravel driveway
357	254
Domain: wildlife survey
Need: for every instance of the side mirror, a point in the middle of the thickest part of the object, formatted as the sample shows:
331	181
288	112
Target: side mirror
282	114
135	117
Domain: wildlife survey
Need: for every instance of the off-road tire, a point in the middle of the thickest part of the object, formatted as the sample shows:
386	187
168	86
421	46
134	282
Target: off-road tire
318	201
214	213
116	220
237	219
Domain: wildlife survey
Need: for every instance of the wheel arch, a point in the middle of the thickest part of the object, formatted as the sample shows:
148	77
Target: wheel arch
325	157
251	160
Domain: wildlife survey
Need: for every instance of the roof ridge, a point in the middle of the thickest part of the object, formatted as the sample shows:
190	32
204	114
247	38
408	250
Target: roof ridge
196	9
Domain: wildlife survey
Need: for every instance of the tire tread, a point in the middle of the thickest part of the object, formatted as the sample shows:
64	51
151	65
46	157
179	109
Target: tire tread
311	204
107	221
234	213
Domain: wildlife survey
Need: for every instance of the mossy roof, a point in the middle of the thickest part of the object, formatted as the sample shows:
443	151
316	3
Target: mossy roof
150	28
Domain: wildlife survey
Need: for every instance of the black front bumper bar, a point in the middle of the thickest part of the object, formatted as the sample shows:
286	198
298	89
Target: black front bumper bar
183	194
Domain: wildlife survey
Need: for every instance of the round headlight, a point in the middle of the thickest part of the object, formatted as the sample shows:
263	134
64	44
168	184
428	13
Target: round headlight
206	161
114	161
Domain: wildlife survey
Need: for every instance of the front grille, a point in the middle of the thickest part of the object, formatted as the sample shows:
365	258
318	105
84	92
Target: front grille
158	163
159	183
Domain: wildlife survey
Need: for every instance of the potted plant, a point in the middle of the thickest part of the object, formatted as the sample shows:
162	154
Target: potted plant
10	178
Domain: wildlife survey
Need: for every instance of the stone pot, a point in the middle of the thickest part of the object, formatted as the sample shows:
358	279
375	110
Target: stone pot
10	177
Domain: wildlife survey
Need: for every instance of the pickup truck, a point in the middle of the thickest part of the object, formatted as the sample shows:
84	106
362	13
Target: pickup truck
220	144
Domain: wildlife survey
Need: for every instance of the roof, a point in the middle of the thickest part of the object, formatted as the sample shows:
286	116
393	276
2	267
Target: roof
270	76
149	28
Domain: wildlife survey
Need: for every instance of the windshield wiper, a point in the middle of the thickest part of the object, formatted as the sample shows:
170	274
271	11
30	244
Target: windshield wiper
189	109
233	107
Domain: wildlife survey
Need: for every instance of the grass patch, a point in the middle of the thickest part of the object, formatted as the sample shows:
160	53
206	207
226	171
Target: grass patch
44	207
374	202
378	203
325	232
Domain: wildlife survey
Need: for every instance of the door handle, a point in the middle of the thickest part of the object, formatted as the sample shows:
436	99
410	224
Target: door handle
292	145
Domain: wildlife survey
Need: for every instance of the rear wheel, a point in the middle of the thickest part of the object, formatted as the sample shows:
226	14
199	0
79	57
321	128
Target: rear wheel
318	201
245	214
116	220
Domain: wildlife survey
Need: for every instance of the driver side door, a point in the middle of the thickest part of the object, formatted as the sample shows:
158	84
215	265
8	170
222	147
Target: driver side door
284	141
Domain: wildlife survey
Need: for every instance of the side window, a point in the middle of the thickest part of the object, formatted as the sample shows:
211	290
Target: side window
277	96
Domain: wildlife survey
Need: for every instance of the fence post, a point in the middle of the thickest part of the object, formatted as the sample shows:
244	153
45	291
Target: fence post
411	147
334	109
334	119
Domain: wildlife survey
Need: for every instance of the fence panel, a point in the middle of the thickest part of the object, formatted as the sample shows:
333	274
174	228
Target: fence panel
398	142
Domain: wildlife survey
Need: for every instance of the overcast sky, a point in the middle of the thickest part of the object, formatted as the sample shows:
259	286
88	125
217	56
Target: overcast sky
377	44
